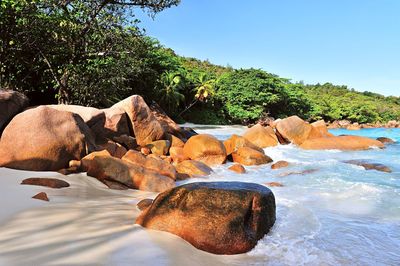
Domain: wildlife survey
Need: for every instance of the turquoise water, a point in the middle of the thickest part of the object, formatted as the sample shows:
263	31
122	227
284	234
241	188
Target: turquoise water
339	214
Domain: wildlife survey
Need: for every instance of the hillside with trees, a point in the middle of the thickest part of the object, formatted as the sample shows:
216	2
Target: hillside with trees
94	53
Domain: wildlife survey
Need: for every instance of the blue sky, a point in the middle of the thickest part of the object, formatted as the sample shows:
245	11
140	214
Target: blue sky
351	42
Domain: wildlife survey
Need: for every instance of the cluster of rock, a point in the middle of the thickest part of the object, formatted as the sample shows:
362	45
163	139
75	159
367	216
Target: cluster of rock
132	145
346	124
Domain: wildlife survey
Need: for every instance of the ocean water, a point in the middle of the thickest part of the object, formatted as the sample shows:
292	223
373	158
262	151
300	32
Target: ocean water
336	214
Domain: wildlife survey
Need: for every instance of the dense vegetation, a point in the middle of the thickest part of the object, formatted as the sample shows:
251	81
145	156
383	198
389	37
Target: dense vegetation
94	53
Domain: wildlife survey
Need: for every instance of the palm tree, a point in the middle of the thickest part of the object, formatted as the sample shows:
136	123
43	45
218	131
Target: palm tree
204	89
172	83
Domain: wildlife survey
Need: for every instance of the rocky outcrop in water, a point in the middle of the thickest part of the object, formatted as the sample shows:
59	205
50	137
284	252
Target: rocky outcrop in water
45	182
217	217
205	148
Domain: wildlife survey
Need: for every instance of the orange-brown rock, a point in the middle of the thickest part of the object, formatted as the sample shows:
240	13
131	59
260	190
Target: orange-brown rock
367	165
319	130
248	156
279	164
260	136
177	154
144	124
354	126
294	129
237	168
44	139
176	142
41	196
11	103
45	182
128	142
155	164
159	147
385	140
115	149
167	123
217	217
145	150
111	170
341	143
191	168
144	204
273	184
235	142
205	148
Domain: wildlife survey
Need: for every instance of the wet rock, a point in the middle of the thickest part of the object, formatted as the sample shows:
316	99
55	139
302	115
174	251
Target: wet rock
370	165
237	168
41	196
235	142
45	182
341	143
191	168
294	129
304	172
260	136
145	126
274	184
205	148
144	204
279	165
155	164
11	103
248	156
44	139
159	147
385	140
217	217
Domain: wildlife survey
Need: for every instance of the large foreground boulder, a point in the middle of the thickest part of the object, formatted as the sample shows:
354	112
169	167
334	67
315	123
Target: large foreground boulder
44	139
144	124
293	129
205	148
260	136
341	143
11	103
217	217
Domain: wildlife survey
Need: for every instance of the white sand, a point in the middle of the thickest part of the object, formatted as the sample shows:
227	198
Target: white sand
84	224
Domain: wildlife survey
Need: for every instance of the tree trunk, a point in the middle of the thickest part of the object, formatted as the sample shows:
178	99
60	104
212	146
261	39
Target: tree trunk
63	91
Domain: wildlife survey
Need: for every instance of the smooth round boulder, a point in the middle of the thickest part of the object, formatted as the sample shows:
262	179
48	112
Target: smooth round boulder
205	148
144	124
44	139
11	103
217	217
260	136
177	155
235	142
248	156
347	143
293	129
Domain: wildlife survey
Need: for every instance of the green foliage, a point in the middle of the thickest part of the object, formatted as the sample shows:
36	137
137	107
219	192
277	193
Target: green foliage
94	53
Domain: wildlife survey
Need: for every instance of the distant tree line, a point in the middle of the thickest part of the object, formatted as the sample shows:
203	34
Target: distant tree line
94	53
